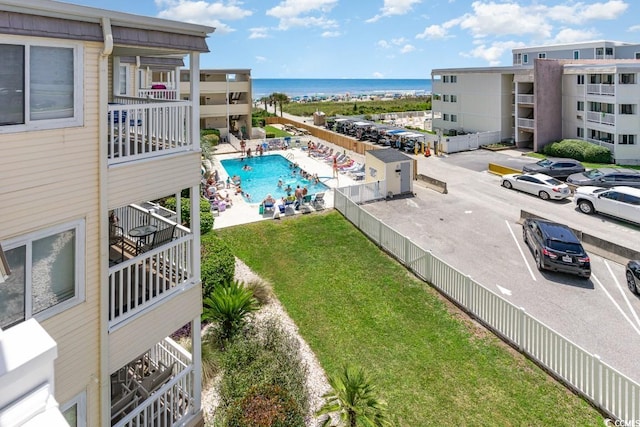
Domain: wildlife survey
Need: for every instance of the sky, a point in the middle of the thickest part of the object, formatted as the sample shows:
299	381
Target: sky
390	39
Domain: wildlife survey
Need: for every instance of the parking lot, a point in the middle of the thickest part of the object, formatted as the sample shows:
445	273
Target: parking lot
475	228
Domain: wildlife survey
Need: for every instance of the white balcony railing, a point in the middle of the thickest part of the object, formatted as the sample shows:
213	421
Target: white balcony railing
168	94
138	283
139	129
526	123
601	89
169	405
602	118
525	99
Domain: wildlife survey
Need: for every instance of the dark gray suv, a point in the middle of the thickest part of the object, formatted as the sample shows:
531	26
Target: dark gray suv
557	168
607	177
555	247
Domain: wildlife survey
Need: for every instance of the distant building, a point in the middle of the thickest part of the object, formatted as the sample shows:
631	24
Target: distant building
94	276
585	90
225	100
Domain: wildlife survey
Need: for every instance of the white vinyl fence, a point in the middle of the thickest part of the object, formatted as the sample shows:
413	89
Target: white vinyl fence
608	389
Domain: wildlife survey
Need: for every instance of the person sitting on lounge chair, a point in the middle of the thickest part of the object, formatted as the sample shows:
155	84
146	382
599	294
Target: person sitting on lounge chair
269	200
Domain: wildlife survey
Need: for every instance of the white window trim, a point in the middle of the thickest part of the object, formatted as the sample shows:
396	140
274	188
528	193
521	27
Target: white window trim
79	297
525	58
78	86
542	55
116	83
80	400
576	56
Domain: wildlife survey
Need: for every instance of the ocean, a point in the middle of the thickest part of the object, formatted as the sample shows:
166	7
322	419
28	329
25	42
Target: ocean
339	87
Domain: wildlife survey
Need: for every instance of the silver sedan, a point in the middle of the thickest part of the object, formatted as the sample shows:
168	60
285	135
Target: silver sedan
541	185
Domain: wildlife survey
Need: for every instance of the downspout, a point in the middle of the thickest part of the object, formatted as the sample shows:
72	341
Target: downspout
104	382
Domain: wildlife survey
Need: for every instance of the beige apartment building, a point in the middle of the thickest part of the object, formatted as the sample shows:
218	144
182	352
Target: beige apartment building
95	278
225	100
587	91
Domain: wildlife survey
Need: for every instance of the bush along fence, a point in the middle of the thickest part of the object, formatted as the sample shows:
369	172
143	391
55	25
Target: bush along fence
606	388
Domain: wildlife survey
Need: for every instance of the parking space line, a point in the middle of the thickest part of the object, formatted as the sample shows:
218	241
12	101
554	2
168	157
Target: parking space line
622	291
521	252
616	304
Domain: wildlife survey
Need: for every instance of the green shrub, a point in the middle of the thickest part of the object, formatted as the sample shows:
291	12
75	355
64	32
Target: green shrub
206	217
217	263
229	305
269	356
579	150
270	135
206	222
265	406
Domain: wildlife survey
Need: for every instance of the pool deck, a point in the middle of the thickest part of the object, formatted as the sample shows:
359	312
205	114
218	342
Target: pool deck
243	212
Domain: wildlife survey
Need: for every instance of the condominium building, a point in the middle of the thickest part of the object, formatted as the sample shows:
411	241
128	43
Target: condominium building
225	100
95	278
585	90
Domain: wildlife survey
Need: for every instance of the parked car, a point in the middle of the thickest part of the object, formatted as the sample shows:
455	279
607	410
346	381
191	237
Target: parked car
618	202
557	168
633	276
541	185
606	177
555	247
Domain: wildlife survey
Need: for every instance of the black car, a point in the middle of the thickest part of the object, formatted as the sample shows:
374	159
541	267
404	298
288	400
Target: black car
633	276
555	247
557	168
607	177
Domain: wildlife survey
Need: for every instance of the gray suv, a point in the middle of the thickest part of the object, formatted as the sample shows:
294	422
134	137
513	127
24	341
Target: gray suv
557	168
607	177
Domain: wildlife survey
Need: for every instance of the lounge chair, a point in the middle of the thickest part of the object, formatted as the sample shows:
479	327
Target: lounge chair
268	207
318	201
289	202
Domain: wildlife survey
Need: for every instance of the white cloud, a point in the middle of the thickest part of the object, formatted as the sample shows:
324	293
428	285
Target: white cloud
377	75
634	28
261	59
579	13
328	34
407	48
383	44
394	7
293	13
569	35
505	19
493	52
202	12
433	32
258	33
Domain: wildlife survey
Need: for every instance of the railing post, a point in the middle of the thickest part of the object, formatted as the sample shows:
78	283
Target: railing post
596	372
467	295
521	337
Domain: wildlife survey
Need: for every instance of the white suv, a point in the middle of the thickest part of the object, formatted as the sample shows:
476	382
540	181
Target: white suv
618	202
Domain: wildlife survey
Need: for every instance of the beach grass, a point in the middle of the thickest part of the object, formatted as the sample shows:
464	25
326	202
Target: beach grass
358	106
432	365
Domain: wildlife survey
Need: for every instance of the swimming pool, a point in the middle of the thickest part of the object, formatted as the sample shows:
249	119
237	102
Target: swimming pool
264	175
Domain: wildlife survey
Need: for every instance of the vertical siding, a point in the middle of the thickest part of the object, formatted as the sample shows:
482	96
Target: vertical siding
47	178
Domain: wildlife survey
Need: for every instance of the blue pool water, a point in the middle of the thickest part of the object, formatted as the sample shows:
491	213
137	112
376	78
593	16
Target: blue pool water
263	177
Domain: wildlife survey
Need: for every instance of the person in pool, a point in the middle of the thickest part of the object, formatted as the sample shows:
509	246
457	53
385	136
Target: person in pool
288	189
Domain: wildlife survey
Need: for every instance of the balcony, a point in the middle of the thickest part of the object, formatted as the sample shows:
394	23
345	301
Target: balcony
146	268
601	89
526	123
602	118
167	94
143	128
155	389
525	99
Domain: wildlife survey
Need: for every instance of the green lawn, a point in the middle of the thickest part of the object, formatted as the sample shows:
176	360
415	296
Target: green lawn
433	366
278	133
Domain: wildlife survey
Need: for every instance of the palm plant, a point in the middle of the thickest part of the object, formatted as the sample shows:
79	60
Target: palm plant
280	99
229	305
353	397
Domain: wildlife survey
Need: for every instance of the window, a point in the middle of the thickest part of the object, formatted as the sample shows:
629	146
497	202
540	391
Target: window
627	108
542	56
445	79
454	79
454	98
445	98
525	58
637	55
75	410
599	52
580	79
517	58
46	274
445	117
576	54
123	79
580	106
628	79
608	51
40	86
454	118
627	139
580	132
